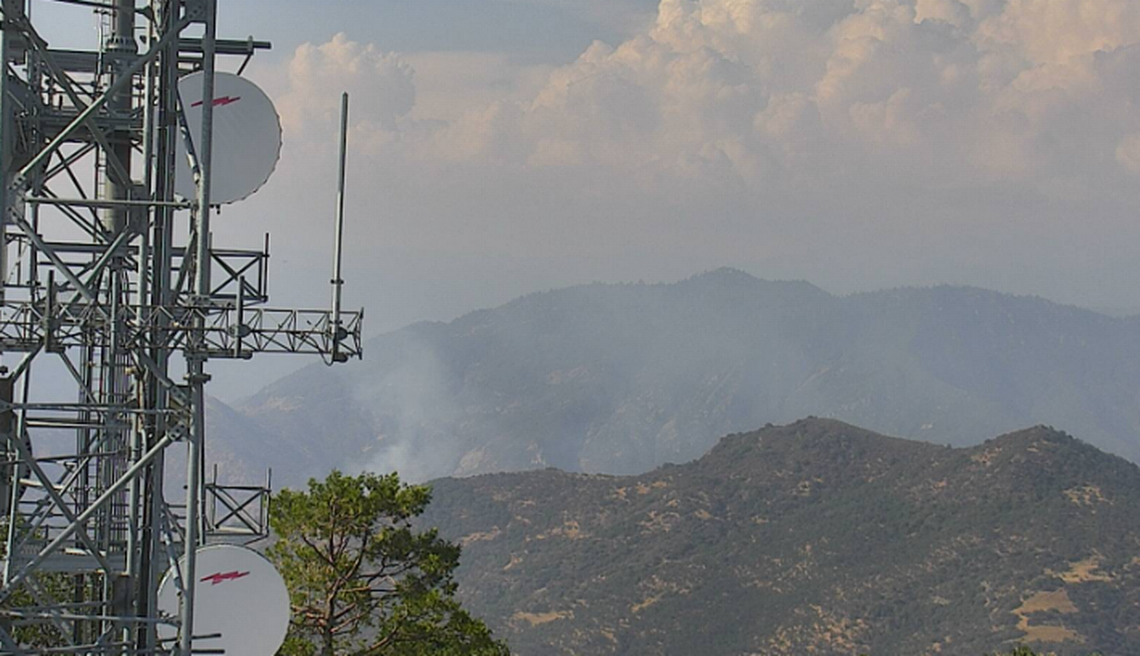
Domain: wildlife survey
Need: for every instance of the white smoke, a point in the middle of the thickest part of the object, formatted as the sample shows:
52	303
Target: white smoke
413	410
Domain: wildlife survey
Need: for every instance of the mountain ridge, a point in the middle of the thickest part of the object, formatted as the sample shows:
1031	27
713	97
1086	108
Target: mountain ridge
623	377
814	537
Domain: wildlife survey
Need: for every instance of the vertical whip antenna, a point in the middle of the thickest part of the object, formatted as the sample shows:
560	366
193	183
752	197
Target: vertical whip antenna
143	295
338	332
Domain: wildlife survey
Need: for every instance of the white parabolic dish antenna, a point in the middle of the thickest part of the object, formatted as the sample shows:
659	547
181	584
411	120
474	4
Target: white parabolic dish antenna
238	594
247	137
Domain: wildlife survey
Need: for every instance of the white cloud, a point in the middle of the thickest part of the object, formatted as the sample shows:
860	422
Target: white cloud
949	11
1060	31
318	74
1128	153
802	133
454	82
921	88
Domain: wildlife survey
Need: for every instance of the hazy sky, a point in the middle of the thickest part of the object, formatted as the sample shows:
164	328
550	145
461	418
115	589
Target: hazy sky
504	146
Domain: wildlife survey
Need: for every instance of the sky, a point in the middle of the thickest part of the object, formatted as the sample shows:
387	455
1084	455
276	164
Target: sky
500	147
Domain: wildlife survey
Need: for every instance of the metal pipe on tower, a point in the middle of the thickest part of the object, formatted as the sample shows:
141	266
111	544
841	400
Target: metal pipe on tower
134	302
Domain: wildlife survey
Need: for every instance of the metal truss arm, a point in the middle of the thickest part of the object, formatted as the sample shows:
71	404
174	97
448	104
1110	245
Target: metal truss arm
123	81
82	519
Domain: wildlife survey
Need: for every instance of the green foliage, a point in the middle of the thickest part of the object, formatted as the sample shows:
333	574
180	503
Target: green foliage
362	580
34	632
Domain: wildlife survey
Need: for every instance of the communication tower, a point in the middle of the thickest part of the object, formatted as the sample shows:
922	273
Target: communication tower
112	281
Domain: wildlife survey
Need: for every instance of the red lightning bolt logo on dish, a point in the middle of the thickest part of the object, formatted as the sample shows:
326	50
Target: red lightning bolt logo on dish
222	577
219	102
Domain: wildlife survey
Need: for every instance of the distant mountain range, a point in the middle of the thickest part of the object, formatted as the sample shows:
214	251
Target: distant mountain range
812	538
623	378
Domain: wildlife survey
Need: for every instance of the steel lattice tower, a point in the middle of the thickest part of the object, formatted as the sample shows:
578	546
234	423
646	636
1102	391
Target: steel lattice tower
115	284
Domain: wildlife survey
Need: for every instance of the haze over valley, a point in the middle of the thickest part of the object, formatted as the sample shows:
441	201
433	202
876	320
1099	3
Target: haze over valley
623	378
570	327
649	281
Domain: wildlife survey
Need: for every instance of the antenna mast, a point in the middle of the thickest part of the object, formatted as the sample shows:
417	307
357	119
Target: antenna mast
114	289
337	281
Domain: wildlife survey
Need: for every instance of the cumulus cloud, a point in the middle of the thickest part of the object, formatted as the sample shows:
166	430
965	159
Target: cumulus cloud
1061	31
780	89
382	82
1128	153
777	131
